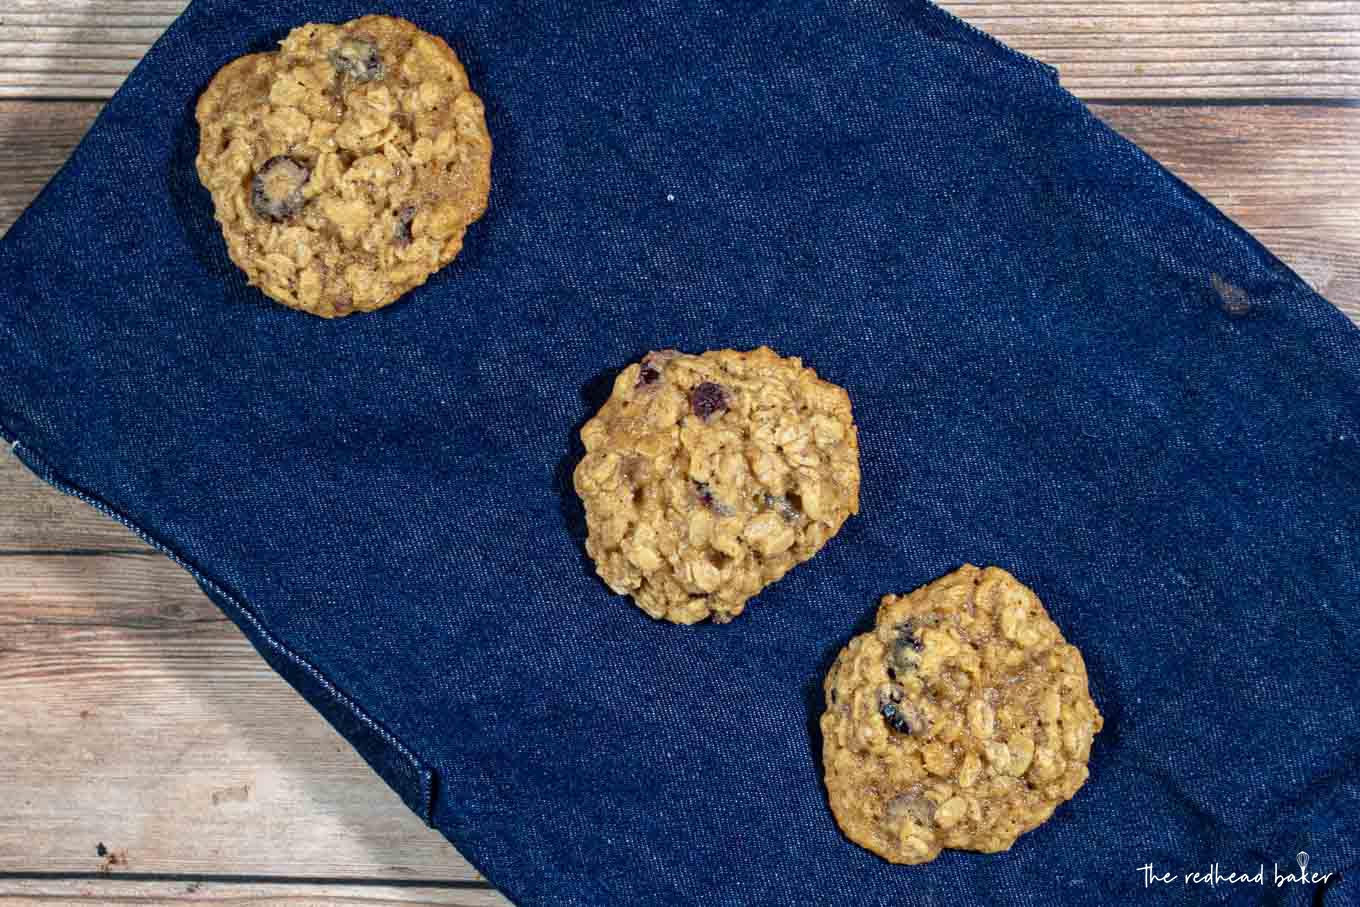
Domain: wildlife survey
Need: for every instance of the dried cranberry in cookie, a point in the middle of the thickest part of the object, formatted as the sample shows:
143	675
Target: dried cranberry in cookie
708	400
652	367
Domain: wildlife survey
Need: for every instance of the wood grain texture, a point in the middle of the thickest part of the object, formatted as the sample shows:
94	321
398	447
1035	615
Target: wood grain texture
36	518
1127	48
111	890
35	140
1183	49
1290	175
136	717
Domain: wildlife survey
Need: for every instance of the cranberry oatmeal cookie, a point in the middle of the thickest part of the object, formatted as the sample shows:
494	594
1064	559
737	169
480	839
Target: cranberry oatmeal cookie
963	720
346	167
706	478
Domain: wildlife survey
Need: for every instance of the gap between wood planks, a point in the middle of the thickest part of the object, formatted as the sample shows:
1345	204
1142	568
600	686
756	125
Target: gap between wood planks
107	649
143	734
1134	48
21	892
148	749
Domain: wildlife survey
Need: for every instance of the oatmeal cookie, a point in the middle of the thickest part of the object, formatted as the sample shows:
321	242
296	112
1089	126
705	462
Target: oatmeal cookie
345	167
706	478
963	720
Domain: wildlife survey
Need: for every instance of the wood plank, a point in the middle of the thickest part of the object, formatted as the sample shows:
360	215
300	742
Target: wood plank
46	893
35	140
136	717
34	517
1150	49
1290	175
1133	48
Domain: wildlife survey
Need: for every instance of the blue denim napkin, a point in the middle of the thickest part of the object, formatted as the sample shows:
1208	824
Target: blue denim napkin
1062	361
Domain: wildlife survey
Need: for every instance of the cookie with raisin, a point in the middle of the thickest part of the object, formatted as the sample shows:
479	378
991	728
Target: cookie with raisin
962	720
346	166
707	478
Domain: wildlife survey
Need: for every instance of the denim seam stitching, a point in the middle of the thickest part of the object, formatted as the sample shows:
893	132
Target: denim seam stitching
40	467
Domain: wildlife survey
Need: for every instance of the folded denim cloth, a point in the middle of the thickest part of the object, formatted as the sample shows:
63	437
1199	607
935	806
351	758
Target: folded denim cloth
1062	360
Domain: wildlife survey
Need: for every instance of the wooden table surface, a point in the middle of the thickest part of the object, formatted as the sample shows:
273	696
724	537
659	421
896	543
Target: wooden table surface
148	755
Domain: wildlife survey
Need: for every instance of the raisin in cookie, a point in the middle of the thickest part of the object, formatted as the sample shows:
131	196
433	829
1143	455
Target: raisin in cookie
706	478
961	721
346	167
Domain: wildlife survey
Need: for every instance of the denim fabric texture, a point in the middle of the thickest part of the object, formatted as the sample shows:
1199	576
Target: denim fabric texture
1062	361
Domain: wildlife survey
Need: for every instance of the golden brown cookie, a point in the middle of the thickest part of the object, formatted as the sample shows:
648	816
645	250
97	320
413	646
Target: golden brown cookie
961	721
706	478
346	167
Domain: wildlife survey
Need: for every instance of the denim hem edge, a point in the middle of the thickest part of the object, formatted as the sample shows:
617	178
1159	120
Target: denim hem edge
421	802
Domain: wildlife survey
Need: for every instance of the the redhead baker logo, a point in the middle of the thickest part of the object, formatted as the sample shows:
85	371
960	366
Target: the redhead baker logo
1215	875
